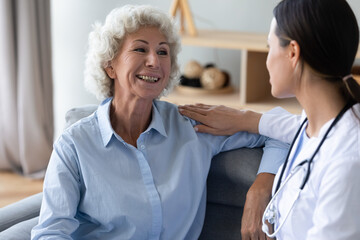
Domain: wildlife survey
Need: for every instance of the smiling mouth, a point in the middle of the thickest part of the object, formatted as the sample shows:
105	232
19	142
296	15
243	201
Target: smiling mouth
148	78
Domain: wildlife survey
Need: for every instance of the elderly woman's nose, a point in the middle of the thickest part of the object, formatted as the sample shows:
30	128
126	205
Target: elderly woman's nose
152	59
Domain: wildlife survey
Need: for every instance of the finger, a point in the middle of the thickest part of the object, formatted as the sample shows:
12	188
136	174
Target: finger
197	105
245	237
200	106
193	108
262	236
204	106
193	115
255	235
251	236
206	129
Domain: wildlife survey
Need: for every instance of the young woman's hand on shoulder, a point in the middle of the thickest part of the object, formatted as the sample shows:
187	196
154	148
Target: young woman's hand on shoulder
221	120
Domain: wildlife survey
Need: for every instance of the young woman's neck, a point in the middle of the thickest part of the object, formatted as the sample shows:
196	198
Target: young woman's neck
321	100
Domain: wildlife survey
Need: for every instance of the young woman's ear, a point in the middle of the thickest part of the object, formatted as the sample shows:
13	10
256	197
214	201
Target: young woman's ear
294	52
110	72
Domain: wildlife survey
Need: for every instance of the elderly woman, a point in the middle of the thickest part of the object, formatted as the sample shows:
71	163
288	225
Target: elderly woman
135	169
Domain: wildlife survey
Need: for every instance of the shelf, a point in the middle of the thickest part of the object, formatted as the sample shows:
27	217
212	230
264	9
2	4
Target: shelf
290	104
228	40
256	42
228	99
233	100
255	89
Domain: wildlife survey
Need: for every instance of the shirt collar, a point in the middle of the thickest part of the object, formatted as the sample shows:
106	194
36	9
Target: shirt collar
322	129
157	121
103	114
325	127
107	131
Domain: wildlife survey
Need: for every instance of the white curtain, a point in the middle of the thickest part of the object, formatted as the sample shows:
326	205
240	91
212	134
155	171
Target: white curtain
26	108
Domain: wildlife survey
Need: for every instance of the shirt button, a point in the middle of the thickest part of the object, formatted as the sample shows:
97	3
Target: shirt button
142	147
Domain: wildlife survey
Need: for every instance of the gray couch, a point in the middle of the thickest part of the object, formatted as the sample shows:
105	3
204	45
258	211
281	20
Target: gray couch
231	175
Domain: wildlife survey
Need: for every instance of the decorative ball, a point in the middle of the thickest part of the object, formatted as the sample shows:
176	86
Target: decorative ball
209	65
193	69
190	82
212	78
227	78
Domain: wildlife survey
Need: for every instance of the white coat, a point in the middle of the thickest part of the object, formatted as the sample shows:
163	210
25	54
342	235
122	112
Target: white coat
329	205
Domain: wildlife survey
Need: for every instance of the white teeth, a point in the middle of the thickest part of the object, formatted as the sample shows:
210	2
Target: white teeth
148	78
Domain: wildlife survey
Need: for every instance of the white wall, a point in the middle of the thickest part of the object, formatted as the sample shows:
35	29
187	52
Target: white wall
72	20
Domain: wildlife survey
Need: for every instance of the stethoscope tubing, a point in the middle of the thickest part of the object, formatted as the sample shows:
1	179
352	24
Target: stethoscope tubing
337	118
270	205
279	187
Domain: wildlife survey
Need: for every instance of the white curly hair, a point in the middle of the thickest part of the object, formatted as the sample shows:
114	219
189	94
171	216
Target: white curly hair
105	41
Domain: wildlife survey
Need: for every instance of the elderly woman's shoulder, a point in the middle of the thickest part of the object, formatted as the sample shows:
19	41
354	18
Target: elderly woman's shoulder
79	122
164	106
168	110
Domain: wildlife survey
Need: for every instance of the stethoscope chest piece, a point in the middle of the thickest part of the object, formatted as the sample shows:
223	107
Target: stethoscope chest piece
270	215
271	212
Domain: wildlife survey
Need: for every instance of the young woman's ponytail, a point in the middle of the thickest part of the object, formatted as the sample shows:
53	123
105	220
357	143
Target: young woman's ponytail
353	86
353	89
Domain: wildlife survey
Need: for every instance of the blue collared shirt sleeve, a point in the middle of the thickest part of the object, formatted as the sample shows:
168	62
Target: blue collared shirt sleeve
274	151
57	215
274	155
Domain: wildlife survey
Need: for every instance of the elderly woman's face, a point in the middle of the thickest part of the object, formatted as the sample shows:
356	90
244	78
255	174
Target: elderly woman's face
142	66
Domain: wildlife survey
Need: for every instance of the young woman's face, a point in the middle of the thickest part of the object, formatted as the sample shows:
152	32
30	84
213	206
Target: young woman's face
142	67
279	66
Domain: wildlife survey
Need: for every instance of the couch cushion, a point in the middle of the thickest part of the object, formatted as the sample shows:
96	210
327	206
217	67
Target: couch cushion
77	113
231	175
221	222
22	210
20	231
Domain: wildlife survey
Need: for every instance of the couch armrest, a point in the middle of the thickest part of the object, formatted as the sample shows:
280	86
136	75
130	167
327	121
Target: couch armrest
231	175
20	211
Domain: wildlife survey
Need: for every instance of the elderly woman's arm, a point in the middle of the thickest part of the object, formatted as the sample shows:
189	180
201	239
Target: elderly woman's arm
60	197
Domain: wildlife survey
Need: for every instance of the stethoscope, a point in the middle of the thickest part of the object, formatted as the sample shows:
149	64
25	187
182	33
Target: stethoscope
271	213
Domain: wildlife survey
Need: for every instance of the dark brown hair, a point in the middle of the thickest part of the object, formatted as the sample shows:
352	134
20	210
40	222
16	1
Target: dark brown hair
328	35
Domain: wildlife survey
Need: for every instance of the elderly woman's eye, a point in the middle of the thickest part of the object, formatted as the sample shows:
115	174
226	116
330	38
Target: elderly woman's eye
162	52
139	50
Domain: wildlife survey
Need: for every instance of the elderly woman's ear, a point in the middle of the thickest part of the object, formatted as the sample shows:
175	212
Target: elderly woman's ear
110	72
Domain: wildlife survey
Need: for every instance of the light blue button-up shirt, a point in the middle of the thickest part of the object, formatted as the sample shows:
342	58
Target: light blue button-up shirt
99	187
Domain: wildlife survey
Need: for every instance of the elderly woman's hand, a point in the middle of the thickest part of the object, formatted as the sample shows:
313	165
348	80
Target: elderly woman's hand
221	120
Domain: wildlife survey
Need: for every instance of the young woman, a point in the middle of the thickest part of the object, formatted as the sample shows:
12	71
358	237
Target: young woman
312	46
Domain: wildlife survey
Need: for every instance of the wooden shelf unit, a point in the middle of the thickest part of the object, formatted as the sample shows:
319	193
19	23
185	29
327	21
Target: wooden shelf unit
255	89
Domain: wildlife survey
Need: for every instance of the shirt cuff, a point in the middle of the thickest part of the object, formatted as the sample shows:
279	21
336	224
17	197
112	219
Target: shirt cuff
274	155
272	160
